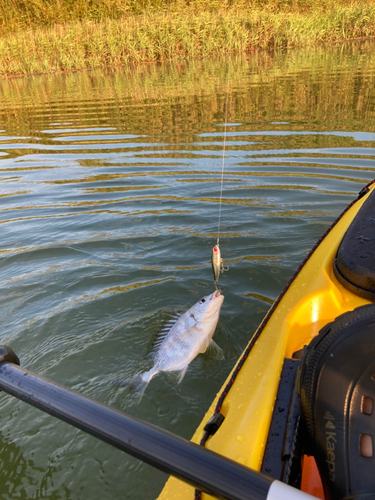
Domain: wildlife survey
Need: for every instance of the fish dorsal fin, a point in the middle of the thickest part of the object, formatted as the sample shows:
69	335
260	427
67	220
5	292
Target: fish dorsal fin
163	332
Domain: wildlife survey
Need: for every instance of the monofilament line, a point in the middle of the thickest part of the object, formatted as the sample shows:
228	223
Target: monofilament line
222	167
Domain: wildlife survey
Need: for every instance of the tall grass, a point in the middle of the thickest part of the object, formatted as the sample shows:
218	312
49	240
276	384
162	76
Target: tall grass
45	36
321	84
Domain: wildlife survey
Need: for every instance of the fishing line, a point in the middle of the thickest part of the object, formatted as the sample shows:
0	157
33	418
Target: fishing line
217	261
222	167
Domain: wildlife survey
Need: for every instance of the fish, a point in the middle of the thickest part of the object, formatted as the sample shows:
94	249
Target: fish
217	262
180	340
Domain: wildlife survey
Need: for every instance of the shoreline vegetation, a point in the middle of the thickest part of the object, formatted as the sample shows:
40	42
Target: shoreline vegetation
48	36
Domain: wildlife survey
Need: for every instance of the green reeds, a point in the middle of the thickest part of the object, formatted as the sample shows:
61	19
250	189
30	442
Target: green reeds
169	30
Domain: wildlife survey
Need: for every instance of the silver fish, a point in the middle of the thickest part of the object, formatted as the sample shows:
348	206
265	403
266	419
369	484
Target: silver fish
180	342
217	262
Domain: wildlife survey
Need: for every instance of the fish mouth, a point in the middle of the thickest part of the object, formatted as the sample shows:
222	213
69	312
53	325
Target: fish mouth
215	295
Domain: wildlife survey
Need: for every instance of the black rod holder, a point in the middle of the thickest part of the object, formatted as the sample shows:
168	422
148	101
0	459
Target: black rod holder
202	468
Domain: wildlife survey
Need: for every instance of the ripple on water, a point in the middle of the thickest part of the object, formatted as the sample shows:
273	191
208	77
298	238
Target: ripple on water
109	210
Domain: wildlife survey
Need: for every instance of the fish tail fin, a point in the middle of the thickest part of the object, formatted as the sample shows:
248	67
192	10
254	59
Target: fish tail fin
137	384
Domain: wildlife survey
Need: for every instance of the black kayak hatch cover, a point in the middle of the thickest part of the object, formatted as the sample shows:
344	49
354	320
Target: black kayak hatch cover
354	265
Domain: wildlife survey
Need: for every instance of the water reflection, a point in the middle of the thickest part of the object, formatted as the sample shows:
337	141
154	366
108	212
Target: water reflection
109	211
36	482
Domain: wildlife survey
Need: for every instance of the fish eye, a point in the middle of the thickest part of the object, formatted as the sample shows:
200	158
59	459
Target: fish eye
202	300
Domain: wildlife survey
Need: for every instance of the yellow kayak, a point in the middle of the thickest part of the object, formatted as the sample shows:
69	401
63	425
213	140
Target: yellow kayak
315	296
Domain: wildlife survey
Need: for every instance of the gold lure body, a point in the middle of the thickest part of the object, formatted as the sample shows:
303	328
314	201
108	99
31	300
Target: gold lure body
217	262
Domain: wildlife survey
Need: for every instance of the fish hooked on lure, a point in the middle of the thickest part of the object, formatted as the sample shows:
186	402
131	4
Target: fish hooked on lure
181	340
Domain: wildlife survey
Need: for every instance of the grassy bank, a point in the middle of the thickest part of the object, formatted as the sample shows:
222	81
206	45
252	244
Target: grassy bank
43	37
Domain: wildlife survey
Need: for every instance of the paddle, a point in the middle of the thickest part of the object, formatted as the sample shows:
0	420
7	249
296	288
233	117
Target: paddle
202	468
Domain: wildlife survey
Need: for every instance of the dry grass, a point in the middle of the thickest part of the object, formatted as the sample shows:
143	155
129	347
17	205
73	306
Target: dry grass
114	32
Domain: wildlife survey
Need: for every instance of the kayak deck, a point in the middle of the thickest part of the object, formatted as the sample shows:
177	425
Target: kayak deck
314	298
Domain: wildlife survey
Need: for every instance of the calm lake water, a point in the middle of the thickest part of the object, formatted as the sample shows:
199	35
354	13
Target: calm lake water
110	182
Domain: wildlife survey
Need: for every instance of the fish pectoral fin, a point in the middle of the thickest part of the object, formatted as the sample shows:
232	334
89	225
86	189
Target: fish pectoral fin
205	345
219	353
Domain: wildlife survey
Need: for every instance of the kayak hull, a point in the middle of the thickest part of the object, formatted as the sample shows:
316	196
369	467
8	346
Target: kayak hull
312	299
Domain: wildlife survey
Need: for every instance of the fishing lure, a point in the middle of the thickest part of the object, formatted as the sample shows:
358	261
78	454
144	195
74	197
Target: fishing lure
217	263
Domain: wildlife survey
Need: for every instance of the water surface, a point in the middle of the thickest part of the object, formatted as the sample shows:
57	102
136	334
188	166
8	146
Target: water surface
110	183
